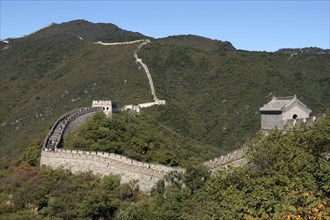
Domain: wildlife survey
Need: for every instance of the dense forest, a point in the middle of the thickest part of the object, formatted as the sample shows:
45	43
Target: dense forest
287	178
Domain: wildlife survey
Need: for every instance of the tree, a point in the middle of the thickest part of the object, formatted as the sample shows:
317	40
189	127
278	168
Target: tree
31	155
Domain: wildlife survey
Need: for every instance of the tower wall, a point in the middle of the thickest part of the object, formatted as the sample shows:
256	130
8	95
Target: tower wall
106	105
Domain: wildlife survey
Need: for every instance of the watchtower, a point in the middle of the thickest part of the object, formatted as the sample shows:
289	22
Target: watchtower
275	113
106	105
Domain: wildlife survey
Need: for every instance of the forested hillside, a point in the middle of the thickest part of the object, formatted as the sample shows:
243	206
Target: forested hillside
213	91
52	71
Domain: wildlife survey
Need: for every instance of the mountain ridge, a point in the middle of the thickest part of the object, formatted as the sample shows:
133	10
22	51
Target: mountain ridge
135	35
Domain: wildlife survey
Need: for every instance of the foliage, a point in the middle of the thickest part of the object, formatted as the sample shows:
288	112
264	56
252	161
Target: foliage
43	194
139	138
31	155
287	179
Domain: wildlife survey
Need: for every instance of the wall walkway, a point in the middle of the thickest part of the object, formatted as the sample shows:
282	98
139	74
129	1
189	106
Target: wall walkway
235	158
55	135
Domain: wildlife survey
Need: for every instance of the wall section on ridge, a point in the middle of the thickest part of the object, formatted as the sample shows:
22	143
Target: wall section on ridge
101	163
77	123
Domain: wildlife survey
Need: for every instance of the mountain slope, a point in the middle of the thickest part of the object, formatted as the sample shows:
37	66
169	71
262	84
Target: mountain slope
51	72
212	90
215	95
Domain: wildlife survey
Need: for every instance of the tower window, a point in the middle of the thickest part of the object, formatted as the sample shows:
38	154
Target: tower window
294	116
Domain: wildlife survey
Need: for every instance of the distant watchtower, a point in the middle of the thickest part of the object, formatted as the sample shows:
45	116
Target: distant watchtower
106	106
275	113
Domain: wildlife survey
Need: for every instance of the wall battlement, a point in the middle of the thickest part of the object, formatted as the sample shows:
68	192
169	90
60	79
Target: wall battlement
106	106
102	163
310	121
235	158
158	168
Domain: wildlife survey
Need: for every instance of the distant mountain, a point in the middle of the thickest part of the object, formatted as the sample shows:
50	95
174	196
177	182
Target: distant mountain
305	50
89	31
198	43
213	91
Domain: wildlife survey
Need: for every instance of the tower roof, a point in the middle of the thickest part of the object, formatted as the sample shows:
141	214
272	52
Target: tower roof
283	103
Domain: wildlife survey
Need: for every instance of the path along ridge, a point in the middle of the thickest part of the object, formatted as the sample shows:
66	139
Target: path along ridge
139	60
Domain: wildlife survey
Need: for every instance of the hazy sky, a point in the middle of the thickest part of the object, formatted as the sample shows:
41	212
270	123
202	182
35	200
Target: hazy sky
249	25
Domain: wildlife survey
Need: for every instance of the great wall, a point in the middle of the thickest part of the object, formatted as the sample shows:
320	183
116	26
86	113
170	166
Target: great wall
310	121
102	163
146	69
56	133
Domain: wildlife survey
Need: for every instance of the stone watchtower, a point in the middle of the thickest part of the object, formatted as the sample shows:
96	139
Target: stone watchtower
106	105
275	113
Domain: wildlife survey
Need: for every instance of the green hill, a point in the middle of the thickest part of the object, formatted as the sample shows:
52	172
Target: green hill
88	31
51	72
213	91
306	50
214	94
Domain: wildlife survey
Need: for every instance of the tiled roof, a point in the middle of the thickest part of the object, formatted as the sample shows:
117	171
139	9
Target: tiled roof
281	103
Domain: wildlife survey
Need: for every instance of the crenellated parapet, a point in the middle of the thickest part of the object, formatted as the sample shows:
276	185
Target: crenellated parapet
103	163
235	158
106	106
310	121
125	161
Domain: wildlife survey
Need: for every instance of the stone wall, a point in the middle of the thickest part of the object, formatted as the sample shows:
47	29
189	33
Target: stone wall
102	163
149	104
78	122
235	158
297	110
55	135
147	174
106	105
271	120
291	123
